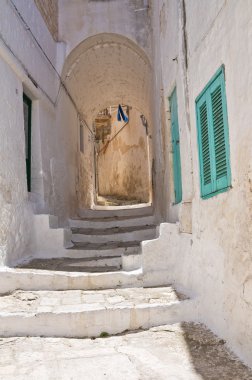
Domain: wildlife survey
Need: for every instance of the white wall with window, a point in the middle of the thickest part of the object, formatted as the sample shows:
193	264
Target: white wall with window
214	260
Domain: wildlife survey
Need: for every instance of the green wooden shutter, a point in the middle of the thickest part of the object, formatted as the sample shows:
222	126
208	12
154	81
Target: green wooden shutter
213	138
27	109
220	134
204	147
176	148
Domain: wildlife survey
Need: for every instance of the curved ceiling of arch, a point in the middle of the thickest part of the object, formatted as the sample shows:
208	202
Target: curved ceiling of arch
105	70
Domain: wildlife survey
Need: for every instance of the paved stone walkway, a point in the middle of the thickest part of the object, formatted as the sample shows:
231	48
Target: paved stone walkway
174	352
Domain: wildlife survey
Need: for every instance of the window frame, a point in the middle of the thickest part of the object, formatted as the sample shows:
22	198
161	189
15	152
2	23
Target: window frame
28	102
215	186
176	156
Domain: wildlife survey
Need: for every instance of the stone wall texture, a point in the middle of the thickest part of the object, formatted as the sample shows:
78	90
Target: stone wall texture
49	11
123	166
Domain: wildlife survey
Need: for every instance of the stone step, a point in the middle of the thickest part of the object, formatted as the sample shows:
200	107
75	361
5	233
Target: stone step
115	202
83	314
100	251
127	245
117	211
37	279
111	230
87	264
110	222
93	264
123	234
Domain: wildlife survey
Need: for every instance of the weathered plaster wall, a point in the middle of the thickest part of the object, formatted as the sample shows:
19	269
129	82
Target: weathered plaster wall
160	188
15	212
64	160
216	262
123	167
86	173
49	12
80	19
170	58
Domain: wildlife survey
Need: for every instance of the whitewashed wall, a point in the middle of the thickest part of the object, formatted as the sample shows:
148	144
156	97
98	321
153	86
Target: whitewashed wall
14	209
54	133
217	263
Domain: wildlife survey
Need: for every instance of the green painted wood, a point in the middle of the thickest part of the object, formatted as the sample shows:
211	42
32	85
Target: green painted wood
176	147
213	140
27	106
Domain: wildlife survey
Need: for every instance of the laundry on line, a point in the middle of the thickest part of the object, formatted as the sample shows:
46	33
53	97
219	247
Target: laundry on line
121	115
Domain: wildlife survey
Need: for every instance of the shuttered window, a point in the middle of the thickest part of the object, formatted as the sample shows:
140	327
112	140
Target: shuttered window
213	140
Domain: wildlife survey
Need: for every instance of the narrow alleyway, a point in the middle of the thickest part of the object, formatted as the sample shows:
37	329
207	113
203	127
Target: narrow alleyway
125	190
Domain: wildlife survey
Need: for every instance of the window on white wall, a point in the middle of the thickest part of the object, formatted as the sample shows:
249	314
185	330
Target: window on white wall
213	137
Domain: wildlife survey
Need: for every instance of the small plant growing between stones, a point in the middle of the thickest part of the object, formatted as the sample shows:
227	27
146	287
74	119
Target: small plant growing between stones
104	334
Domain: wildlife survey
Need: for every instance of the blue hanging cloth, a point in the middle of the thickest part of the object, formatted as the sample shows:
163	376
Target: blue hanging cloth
121	115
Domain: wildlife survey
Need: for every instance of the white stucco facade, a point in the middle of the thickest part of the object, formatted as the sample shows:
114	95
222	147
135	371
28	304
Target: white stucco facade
31	58
216	260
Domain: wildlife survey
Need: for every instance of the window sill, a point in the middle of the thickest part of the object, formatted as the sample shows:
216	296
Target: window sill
216	193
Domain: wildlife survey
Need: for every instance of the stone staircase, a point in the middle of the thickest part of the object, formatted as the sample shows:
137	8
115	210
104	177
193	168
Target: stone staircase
98	241
112	242
92	287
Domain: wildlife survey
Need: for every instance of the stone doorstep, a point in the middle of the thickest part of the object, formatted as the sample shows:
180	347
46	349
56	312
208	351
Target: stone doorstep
73	315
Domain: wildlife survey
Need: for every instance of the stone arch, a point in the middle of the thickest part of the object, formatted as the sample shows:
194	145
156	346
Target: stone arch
103	70
107	69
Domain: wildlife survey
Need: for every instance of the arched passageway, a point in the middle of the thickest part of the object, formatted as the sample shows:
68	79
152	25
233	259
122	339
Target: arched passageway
100	73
